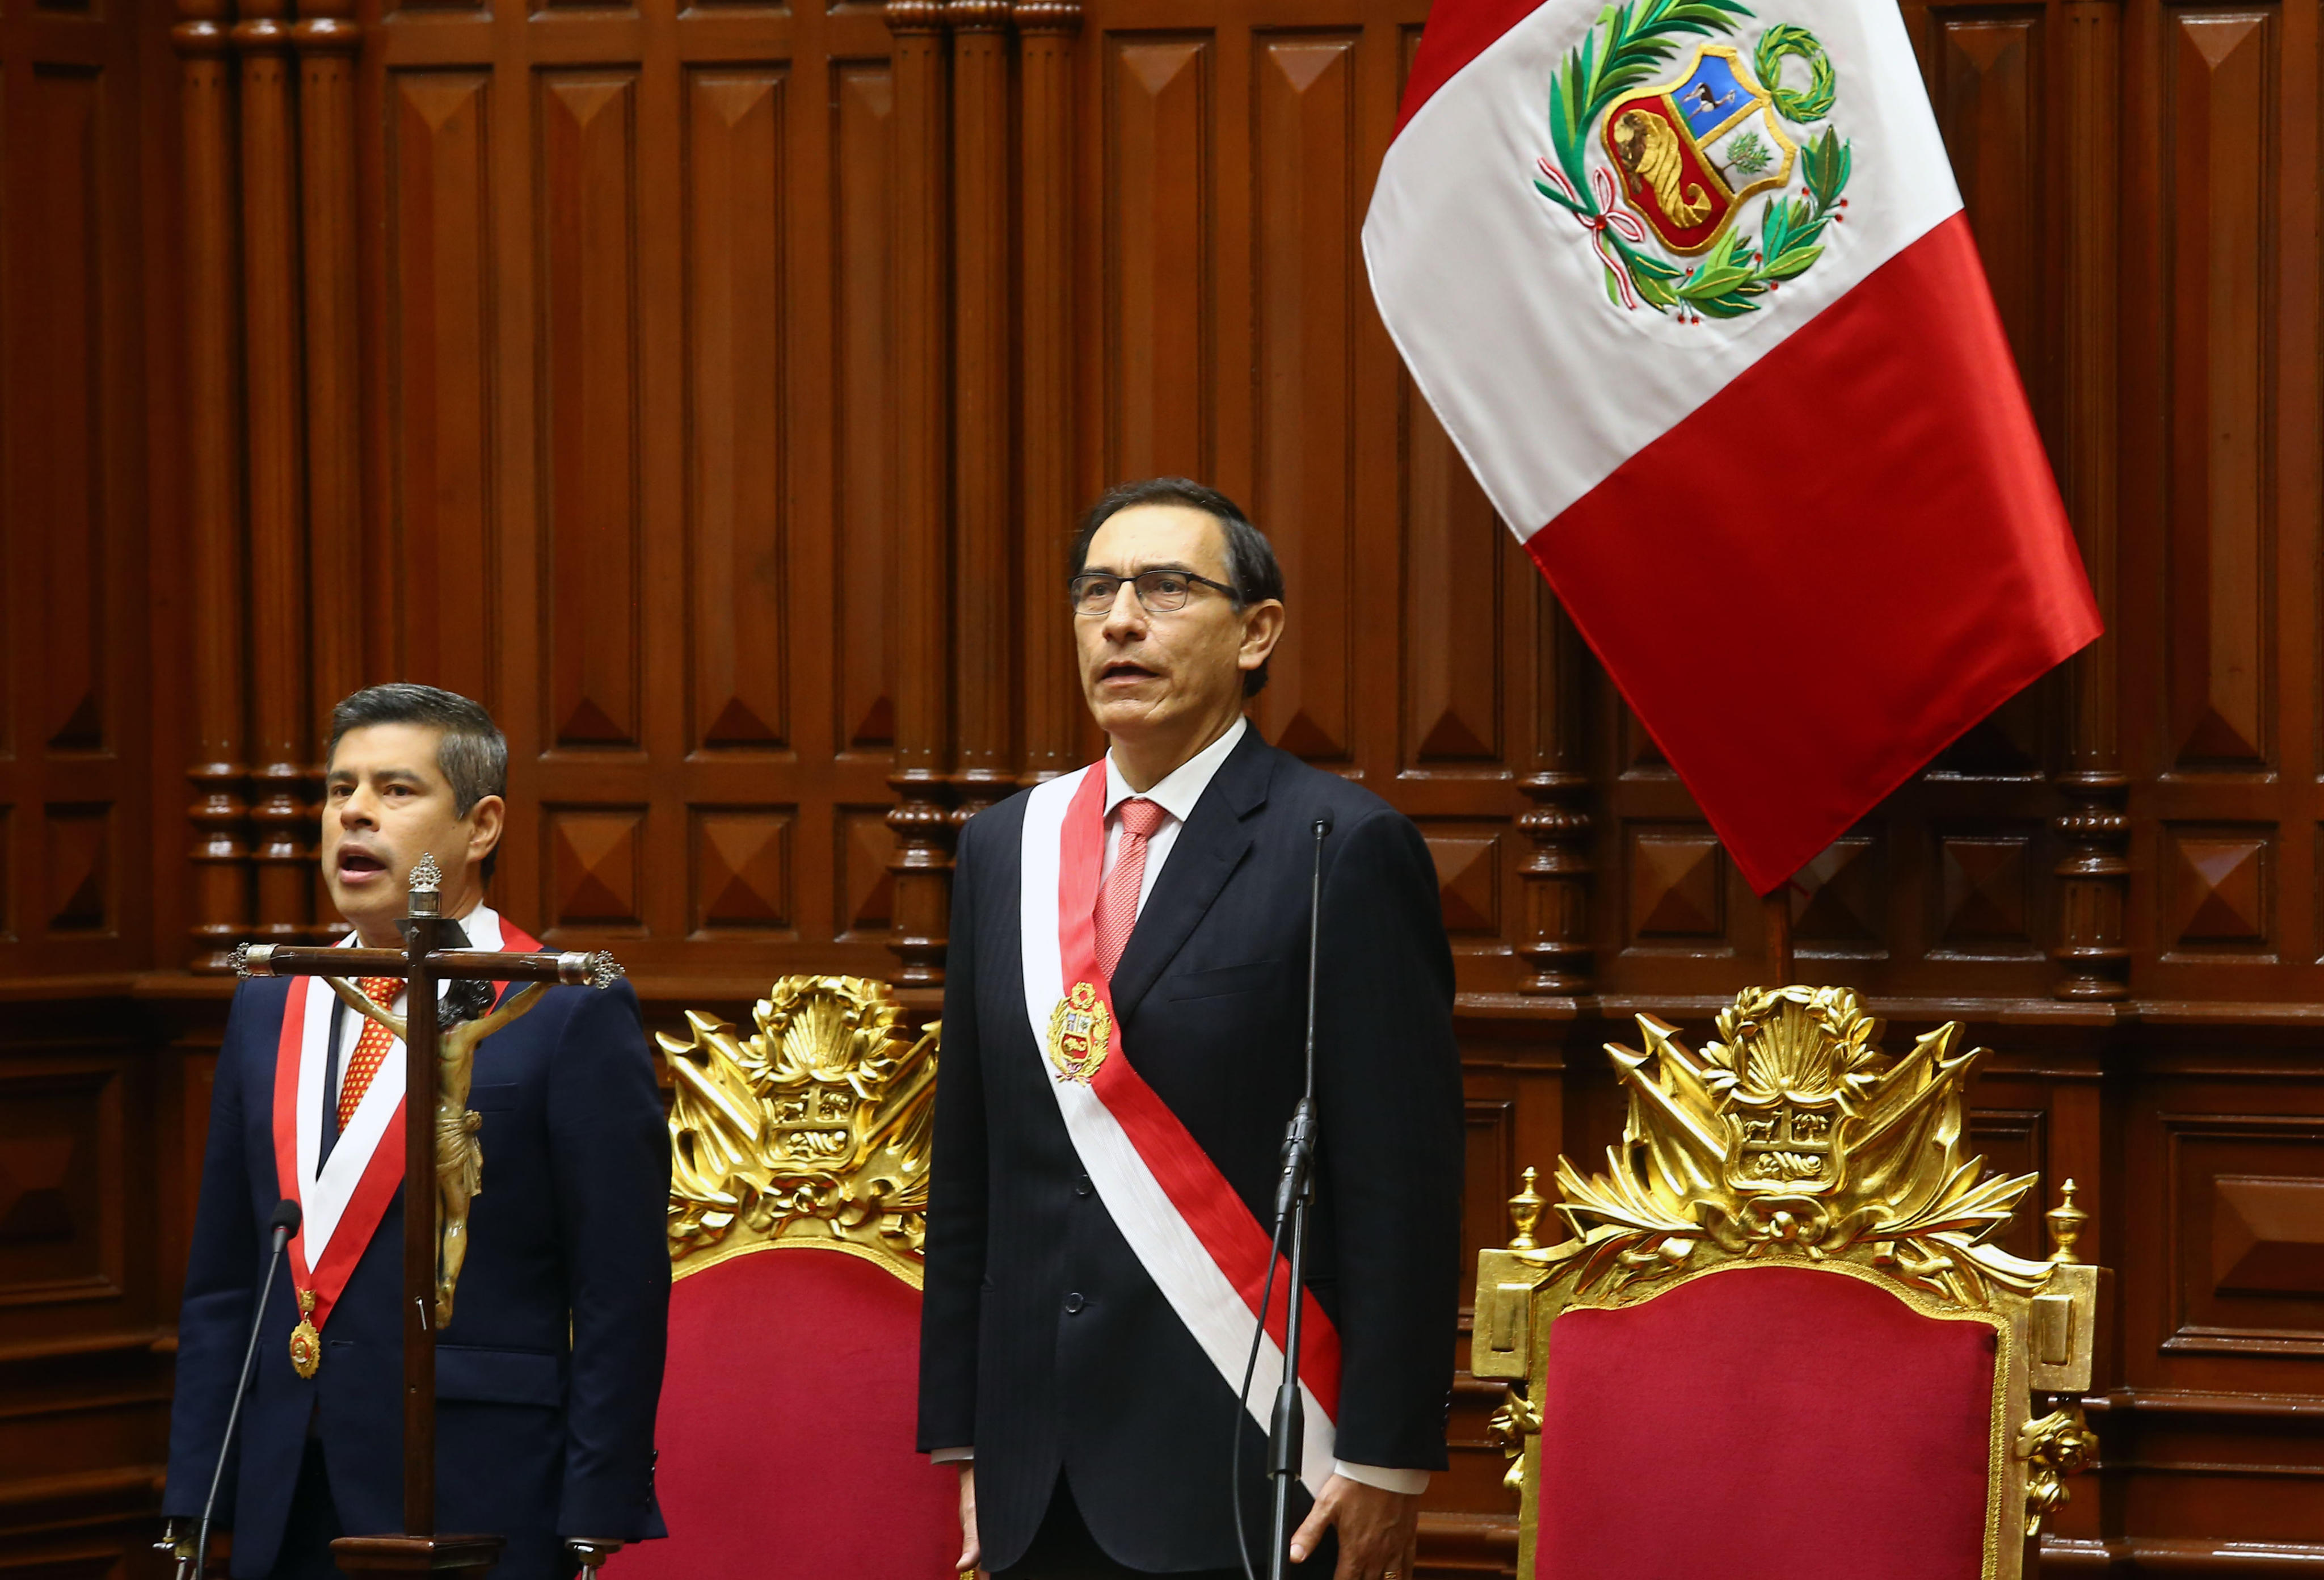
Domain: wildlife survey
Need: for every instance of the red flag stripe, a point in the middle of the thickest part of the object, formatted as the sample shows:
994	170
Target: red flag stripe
1882	516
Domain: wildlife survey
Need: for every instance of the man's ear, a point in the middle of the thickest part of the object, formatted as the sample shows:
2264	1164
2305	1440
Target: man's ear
486	820
1262	628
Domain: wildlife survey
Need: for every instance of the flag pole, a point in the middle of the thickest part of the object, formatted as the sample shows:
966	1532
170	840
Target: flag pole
1775	910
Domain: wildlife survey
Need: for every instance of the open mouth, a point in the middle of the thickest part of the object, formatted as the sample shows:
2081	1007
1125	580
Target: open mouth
1123	669
358	865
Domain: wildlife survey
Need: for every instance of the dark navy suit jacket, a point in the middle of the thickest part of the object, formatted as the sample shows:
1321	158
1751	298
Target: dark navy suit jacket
1044	1344
547	1376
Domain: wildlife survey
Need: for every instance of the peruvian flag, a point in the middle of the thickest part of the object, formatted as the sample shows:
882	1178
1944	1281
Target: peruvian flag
1689	283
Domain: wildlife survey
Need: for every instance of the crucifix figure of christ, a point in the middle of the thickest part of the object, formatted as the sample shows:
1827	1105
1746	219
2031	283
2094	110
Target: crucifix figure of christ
438	1065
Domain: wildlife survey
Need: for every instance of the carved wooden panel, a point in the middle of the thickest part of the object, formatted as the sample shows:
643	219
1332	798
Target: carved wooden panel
2246	1198
1470	860
1158	215
864	505
866	892
60	1169
742	869
1304	209
81	893
1455	558
1677	886
590	403
444	458
1986	895
2218	889
736	495
595	867
2220	132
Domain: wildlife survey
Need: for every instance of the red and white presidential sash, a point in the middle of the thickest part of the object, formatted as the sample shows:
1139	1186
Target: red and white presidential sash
342	1198
1198	1241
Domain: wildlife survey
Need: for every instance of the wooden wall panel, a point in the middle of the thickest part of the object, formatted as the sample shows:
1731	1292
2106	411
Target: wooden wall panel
440	376
735	290
2221	125
1303	196
587	231
1159	286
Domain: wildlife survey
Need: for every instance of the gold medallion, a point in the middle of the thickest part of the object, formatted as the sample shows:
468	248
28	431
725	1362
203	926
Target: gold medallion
1080	1028
306	1344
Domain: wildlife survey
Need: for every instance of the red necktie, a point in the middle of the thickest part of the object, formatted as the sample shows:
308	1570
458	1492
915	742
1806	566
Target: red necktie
371	1048
1117	902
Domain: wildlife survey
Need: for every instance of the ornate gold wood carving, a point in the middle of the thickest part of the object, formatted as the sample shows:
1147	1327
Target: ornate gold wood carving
1794	1140
815	1129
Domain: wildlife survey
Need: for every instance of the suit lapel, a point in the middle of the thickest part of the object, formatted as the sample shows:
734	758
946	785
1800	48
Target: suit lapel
1208	849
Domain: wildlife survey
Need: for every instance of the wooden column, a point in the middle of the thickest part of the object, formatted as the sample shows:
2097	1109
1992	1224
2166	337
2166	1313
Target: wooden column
1557	868
282	729
984	560
327	37
1044	402
924	571
2094	874
220	855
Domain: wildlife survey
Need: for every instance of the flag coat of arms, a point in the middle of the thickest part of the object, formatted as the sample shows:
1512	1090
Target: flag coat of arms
1689	284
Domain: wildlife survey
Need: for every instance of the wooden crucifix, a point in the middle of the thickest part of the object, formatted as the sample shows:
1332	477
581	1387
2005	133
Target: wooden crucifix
439	1149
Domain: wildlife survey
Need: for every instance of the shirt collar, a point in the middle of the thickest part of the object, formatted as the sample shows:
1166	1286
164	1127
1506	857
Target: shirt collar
1184	785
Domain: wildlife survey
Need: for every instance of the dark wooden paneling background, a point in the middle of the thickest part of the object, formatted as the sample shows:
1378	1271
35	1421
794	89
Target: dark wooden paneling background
712	391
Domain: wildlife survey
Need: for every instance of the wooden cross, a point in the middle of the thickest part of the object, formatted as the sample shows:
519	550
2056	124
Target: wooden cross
438	1127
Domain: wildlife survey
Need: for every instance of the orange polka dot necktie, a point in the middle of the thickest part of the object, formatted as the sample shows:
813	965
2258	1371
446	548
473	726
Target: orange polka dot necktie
371	1048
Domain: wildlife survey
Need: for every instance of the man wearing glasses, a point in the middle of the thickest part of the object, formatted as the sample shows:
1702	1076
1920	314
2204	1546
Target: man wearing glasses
1125	1010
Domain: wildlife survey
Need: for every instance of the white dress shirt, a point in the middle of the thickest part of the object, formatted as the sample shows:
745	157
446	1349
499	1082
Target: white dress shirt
1176	794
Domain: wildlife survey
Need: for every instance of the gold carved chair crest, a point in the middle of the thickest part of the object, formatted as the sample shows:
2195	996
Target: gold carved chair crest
1790	1141
815	1129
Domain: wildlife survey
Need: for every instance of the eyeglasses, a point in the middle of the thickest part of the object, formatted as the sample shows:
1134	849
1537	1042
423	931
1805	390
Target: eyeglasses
1162	592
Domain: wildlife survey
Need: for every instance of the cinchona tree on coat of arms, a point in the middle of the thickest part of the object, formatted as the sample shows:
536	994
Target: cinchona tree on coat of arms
1663	175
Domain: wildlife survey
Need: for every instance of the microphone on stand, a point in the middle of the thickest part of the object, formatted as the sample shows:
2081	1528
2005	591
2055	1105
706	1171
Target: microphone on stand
1294	1190
285	1224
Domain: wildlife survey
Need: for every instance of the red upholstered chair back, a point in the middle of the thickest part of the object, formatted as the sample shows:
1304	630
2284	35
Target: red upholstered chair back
1780	1342
787	1424
799	1182
1772	1423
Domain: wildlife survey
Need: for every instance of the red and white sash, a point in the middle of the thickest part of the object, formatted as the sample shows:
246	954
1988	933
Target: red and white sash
342	1198
1196	1238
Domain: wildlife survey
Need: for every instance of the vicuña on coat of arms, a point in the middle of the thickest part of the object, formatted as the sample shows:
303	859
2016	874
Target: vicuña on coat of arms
1662	176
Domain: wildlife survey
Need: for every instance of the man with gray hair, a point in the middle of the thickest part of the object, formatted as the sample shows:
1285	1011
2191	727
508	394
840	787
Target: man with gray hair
549	1372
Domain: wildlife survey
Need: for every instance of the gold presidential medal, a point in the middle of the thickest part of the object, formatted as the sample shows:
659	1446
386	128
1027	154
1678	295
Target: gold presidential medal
1080	1028
306	1344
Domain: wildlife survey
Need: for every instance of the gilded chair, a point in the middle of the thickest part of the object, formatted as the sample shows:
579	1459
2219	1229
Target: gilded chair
1779	1339
797	1193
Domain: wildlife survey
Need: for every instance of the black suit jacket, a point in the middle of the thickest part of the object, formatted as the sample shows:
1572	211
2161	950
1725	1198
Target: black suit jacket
1043	1344
546	1377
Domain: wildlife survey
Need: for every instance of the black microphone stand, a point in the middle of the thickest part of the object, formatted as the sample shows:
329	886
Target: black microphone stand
285	1224
1286	1434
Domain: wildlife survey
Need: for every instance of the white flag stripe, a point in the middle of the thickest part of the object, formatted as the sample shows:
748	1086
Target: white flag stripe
1495	295
1174	1256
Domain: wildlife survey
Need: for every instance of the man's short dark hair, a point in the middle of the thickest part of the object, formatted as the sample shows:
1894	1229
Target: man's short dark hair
472	757
1251	568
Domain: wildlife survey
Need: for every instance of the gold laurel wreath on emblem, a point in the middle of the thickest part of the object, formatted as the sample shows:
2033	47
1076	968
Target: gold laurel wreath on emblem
1080	1030
1601	96
816	1125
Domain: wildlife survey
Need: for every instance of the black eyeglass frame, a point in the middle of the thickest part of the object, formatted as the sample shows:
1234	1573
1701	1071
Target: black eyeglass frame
1074	584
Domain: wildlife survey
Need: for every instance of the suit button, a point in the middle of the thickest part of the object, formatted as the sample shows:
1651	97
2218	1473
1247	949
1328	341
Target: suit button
1083	1186
1074	1302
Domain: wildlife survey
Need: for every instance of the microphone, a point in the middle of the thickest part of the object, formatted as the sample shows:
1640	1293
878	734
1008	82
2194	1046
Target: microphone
284	1223
1287	1429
